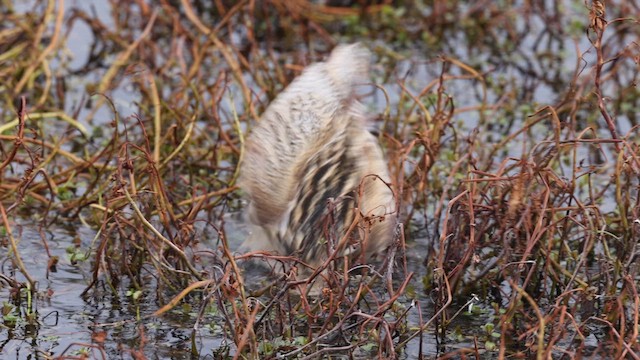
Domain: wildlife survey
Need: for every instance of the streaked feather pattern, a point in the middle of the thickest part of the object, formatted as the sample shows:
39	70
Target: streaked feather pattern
312	146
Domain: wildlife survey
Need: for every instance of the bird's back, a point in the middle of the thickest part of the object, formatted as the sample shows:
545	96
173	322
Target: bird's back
312	145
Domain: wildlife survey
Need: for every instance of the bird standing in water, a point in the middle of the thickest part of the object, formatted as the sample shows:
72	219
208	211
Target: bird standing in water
311	162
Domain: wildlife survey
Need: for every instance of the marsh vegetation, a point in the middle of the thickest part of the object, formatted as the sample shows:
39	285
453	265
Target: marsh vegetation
511	131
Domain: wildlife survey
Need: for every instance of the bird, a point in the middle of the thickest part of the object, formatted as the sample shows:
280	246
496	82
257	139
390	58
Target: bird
311	163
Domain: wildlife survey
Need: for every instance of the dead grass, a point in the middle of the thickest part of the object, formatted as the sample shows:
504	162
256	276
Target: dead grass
518	170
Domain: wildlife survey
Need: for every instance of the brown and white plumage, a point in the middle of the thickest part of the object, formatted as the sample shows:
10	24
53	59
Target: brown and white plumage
312	145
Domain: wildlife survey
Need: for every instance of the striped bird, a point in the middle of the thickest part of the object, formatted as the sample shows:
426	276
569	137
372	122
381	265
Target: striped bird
310	164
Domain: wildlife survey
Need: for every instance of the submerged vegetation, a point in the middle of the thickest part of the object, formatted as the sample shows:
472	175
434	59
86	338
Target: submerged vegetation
511	130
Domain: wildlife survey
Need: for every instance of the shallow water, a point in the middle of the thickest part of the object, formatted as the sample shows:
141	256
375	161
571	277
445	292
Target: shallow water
69	324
